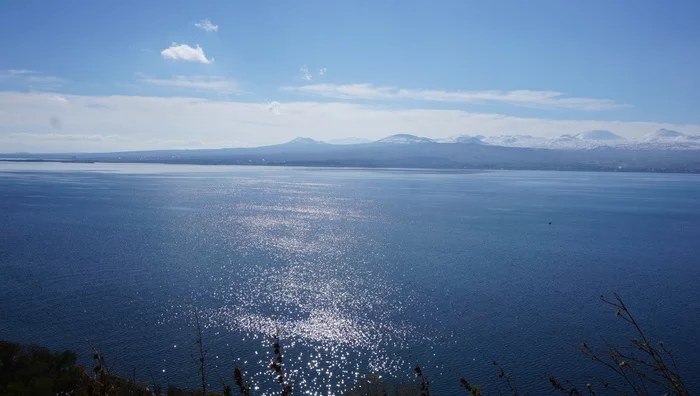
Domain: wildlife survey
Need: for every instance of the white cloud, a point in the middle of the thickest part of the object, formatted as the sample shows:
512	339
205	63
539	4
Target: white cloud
185	52
206	25
523	98
305	75
205	83
322	71
142	122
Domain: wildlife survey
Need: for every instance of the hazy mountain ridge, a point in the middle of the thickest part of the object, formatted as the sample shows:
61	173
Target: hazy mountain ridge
662	151
408	151
662	139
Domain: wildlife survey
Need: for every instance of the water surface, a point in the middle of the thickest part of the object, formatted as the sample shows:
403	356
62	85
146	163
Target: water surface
361	270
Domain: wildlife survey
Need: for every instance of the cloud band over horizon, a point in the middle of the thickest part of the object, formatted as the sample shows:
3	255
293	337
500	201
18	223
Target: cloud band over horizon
114	123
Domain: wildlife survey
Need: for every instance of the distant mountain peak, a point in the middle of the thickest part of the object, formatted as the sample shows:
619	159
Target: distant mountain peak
663	133
404	138
598	134
304	140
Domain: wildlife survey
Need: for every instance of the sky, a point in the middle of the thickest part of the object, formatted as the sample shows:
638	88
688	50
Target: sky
80	76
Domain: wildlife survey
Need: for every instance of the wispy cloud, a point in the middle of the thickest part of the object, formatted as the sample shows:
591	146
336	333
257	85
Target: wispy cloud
523	98
32	79
205	83
15	72
305	75
185	52
48	83
352	91
58	98
206	25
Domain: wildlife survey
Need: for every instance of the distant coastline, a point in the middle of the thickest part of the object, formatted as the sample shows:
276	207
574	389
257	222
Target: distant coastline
365	166
46	160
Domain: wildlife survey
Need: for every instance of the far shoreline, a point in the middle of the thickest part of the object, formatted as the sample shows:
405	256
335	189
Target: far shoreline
464	170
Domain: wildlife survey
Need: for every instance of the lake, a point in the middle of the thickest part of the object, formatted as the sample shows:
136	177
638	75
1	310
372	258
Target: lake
362	271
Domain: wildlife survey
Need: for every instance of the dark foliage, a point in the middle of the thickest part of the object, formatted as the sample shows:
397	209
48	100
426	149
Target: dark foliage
33	370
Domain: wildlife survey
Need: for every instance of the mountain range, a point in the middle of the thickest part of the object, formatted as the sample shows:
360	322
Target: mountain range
598	150
662	139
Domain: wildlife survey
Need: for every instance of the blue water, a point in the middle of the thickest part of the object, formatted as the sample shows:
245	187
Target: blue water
361	270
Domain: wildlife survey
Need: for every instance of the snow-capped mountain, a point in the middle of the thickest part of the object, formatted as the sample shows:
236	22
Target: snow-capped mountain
663	134
661	139
668	135
668	139
597	135
403	138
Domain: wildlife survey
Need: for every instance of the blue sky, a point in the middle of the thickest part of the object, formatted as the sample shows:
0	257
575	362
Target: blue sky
86	75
